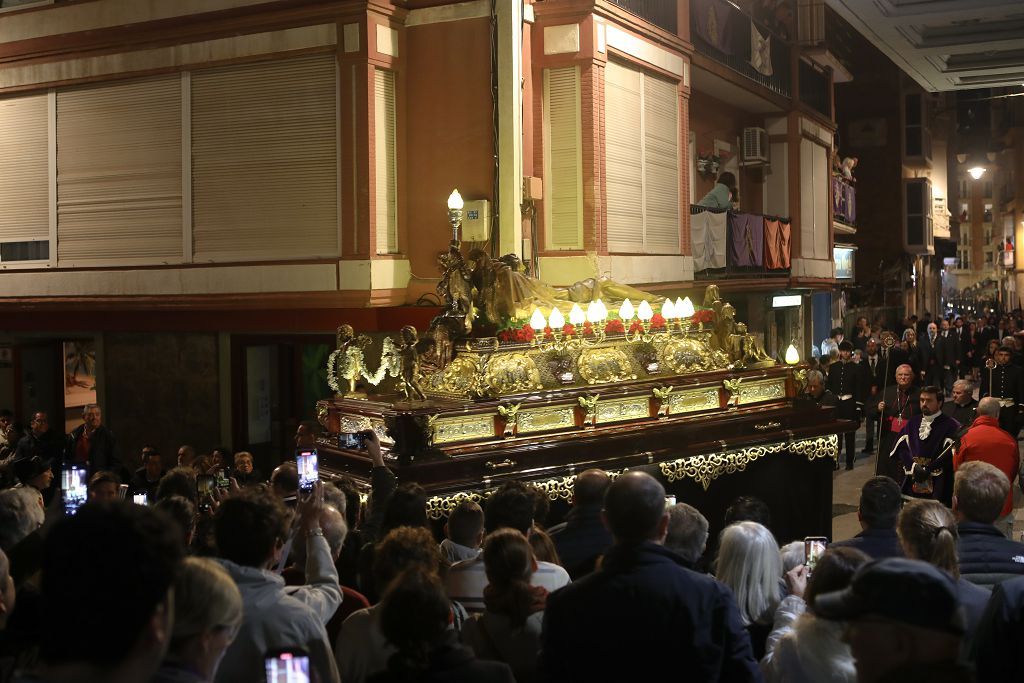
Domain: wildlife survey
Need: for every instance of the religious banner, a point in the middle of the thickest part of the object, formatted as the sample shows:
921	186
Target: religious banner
711	22
760	52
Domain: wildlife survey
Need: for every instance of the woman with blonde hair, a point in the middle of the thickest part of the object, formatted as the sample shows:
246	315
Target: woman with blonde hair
750	564
207	614
927	531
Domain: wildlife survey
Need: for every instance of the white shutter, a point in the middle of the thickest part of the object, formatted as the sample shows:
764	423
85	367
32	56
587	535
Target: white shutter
385	171
623	157
264	169
806	198
24	198
821	203
119	173
563	177
661	166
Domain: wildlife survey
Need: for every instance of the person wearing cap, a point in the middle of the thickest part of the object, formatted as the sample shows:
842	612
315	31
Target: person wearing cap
904	622
34	472
845	381
923	452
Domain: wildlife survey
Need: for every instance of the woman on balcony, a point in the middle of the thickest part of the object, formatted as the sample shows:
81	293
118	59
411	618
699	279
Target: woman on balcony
722	194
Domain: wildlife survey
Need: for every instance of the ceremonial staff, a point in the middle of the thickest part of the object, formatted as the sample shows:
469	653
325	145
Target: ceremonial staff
888	341
990	364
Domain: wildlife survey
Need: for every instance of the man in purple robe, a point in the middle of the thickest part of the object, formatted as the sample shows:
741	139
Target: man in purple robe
923	450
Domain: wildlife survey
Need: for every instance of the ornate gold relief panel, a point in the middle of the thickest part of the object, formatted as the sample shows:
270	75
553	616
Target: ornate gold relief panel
692	401
607	364
510	373
454	429
546	419
763	390
620	410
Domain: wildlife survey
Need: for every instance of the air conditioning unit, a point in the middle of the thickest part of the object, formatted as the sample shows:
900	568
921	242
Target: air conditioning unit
755	147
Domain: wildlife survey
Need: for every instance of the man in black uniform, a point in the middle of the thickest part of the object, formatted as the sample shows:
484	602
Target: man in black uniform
899	403
873	381
947	357
1006	382
844	381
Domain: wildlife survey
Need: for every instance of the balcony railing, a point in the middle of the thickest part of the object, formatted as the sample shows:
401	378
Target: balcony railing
844	200
661	13
723	33
735	245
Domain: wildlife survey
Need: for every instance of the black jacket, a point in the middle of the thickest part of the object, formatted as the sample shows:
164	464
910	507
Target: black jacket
875	543
102	450
450	663
581	539
642	616
48	446
997	644
986	556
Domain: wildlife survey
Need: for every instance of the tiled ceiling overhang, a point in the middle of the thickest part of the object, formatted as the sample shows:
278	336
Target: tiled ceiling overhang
945	44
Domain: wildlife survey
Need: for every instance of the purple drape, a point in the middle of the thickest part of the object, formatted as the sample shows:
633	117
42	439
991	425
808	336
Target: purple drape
746	239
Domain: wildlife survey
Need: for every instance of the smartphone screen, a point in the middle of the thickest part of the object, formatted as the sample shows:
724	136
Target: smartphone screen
309	472
75	487
222	479
122	491
351	440
204	489
288	666
140	499
814	548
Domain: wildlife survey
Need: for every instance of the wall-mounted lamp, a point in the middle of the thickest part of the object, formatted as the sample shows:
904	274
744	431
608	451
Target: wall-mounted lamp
976	172
455	205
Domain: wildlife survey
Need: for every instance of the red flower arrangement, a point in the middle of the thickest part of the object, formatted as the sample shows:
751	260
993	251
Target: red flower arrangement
524	334
614	327
568	330
588	329
637	326
548	332
705	315
657	322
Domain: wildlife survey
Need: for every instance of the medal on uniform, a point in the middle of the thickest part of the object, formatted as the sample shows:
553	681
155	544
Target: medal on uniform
898	423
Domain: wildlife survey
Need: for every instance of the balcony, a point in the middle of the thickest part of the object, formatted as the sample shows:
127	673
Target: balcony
727	40
729	245
658	12
844	201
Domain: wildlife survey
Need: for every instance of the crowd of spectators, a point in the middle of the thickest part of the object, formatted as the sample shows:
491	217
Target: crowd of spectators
159	578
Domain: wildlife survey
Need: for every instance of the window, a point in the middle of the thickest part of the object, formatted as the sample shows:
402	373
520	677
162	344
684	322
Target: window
119	180
24	172
264	160
385	170
563	159
814	208
642	161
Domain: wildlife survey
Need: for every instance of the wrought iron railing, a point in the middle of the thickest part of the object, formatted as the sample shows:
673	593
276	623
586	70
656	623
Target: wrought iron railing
753	249
661	13
844	200
723	33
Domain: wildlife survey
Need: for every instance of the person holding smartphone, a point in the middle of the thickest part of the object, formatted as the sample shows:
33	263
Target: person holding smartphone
251	528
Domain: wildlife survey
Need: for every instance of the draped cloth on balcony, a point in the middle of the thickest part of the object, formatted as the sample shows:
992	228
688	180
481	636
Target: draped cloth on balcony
746	246
711	19
776	243
708	235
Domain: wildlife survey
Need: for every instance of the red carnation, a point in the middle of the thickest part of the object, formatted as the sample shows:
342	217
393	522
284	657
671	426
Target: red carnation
568	329
637	326
657	322
548	332
614	327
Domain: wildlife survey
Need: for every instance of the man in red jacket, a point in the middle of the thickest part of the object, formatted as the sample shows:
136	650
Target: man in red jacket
985	441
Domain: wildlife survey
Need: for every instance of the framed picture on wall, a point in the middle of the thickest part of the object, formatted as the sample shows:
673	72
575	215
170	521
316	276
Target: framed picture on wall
79	372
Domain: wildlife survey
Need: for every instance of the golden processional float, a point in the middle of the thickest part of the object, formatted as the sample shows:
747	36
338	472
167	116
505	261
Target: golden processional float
518	379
